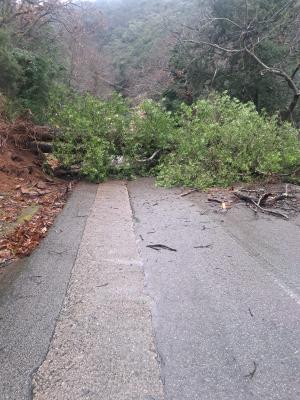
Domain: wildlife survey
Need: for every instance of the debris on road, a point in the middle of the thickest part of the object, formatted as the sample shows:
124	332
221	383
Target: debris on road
104	285
159	247
253	372
208	246
214	200
184	194
261	199
272	199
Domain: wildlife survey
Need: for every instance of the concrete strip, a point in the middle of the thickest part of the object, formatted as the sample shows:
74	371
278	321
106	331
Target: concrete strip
103	345
32	292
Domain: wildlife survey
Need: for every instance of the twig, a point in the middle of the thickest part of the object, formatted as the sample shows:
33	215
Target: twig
272	212
150	158
252	373
158	247
250	199
283	196
263	198
212	200
208	246
216	46
189	192
104	285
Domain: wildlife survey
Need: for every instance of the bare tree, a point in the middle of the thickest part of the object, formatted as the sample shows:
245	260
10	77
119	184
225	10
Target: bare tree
30	15
89	68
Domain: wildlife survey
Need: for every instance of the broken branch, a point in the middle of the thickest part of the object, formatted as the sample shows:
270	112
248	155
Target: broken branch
150	158
159	247
264	197
188	192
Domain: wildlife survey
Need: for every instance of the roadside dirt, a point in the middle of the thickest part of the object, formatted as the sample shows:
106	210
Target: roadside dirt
29	199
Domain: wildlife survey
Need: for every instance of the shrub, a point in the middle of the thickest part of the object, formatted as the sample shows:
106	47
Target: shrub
152	130
92	131
36	81
223	141
218	141
26	78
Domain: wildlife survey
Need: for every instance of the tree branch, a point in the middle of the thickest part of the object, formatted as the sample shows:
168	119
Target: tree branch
216	46
226	20
297	69
275	71
277	13
289	79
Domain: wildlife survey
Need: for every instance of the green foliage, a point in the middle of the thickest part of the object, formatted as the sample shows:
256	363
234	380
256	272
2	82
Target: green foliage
223	141
35	82
218	141
151	129
29	64
9	67
92	131
26	78
97	159
204	68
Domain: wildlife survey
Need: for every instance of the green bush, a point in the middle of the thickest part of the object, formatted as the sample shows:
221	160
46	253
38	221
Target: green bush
97	161
27	75
152	130
214	142
223	141
92	131
36	82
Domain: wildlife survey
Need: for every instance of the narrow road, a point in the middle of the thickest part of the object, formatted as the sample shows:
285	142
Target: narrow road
227	316
140	294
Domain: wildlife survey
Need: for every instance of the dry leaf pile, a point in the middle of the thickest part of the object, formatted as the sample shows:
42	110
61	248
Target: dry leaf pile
29	232
29	200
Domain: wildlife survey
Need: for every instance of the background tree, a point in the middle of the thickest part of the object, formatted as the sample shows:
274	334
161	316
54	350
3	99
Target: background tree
43	43
248	47
29	51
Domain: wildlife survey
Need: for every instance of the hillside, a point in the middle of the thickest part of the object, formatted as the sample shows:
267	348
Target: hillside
138	40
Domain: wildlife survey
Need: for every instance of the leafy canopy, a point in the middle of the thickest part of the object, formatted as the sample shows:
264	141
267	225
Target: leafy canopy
222	141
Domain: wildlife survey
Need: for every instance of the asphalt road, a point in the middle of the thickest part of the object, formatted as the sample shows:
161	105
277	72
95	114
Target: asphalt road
213	315
226	310
31	296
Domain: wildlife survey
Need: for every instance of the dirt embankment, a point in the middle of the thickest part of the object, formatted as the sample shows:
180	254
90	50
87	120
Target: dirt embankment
29	199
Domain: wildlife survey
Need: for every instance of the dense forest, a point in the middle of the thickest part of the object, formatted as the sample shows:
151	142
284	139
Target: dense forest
195	92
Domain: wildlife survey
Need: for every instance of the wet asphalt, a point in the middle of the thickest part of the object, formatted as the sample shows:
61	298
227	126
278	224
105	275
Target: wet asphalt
226	304
32	292
215	300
